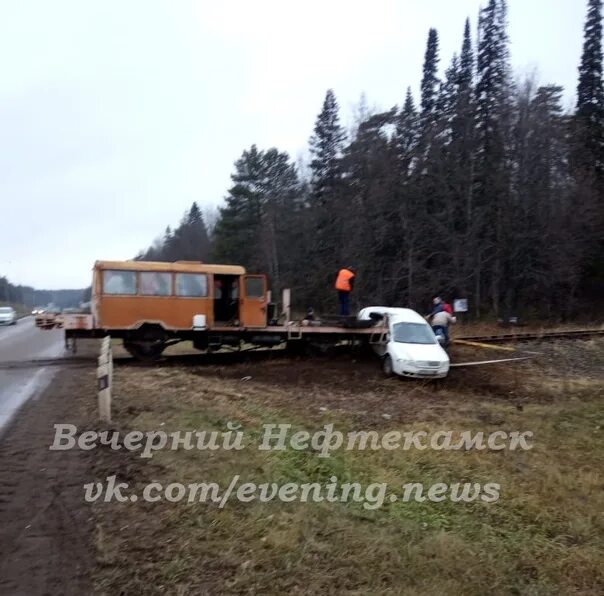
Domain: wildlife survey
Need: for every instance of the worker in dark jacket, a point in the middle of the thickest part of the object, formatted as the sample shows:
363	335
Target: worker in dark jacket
437	306
344	284
440	317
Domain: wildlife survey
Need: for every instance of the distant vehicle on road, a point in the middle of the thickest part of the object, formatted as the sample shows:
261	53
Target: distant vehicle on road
38	310
8	316
409	348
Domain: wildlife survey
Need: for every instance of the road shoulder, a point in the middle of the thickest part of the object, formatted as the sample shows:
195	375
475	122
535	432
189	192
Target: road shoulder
46	528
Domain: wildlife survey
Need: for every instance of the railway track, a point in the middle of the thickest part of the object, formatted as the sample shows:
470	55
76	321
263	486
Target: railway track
533	336
235	356
218	358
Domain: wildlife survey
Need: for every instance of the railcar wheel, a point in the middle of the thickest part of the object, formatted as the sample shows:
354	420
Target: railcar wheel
147	351
147	343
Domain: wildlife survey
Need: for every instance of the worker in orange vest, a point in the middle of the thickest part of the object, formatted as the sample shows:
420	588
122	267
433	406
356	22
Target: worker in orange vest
344	285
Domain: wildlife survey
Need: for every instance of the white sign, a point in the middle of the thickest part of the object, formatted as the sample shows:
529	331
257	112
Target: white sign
460	305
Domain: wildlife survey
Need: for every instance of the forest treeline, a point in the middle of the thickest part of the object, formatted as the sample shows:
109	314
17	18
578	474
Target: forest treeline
483	187
15	294
28	297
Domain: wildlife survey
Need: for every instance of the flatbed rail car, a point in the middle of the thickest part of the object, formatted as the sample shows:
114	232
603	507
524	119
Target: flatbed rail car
152	305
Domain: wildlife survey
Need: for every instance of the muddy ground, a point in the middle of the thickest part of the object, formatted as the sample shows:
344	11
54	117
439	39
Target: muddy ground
46	530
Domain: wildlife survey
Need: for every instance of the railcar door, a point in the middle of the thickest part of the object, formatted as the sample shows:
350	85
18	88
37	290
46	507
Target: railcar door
252	301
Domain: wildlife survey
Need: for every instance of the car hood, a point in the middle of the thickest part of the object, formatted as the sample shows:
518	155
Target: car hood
430	352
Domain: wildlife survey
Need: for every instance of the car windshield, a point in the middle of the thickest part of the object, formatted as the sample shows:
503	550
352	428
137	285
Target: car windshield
5	309
413	333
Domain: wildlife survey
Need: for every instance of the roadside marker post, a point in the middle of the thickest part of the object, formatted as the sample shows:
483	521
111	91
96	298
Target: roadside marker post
104	377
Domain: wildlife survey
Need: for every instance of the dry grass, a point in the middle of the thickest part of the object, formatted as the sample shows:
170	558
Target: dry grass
544	536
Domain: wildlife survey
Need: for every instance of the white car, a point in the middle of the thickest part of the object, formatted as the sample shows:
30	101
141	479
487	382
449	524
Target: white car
409	347
8	316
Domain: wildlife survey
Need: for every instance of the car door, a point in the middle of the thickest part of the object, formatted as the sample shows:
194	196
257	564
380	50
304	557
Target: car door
252	301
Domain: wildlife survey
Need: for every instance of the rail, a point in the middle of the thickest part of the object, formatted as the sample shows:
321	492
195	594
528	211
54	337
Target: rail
537	335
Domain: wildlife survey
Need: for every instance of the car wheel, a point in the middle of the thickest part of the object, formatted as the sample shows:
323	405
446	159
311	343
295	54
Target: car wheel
387	366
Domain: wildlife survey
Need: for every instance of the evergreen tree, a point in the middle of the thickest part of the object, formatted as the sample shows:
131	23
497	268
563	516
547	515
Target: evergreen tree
430	115
327	202
250	230
188	242
406	135
326	149
462	126
168	248
543	216
460	170
370	184
588	154
492	87
493	105
429	85
193	236
466	62
463	120
446	101
239	221
590	97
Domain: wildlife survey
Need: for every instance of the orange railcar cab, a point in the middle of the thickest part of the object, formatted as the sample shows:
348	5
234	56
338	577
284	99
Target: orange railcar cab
129	294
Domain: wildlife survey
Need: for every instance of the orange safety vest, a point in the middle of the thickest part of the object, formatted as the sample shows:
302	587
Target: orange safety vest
343	280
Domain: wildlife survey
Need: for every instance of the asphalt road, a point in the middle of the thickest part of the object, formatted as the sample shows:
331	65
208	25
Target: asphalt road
23	342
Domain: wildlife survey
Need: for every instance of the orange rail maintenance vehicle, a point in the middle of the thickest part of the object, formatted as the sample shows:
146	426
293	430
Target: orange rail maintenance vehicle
151	305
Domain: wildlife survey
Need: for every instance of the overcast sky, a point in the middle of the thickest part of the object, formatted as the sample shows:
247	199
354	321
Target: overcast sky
116	115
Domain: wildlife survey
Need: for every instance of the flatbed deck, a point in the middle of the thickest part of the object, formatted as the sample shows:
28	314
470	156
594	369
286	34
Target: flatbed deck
292	331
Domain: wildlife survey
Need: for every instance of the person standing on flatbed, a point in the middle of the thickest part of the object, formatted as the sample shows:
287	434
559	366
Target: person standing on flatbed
344	284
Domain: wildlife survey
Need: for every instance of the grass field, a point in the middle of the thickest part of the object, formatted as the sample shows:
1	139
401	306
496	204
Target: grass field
545	534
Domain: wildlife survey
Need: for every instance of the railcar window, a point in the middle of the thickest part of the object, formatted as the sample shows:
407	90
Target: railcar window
155	284
254	287
192	285
119	282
